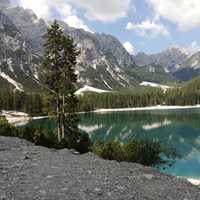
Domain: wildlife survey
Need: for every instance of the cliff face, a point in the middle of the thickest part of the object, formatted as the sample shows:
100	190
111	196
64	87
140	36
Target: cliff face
33	172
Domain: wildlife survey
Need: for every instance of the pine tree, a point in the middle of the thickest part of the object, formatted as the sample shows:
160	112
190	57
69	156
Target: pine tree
60	78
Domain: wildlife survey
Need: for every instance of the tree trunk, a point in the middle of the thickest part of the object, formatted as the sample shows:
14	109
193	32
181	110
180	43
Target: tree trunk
63	117
59	120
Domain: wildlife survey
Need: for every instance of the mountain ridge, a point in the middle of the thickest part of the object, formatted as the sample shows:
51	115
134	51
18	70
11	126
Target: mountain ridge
168	58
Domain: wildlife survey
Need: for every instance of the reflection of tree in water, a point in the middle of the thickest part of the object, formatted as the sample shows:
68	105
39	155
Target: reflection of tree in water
179	129
45	123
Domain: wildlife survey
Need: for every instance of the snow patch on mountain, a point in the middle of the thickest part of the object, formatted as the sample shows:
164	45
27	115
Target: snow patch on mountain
156	85
9	61
195	64
18	86
87	88
107	84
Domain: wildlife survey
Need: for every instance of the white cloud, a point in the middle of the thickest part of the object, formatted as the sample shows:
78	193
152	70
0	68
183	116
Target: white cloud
129	47
104	10
148	28
43	9
75	22
184	13
101	10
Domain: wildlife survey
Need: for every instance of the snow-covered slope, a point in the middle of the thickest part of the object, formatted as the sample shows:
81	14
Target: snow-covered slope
156	85
87	88
17	86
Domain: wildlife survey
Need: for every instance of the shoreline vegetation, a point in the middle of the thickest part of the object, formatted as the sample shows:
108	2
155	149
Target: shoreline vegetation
146	152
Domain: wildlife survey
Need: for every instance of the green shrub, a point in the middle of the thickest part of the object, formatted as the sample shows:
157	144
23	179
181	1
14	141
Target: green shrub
38	136
76	140
109	151
5	128
143	152
46	137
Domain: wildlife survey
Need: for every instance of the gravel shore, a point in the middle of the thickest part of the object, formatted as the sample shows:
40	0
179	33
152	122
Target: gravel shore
32	172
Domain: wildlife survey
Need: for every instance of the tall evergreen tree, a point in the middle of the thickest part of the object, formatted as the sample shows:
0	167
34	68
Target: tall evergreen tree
59	63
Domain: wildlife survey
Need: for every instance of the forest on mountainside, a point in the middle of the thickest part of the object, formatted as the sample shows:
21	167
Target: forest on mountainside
35	103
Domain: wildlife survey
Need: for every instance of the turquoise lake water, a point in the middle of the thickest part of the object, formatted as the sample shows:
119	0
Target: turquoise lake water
179	129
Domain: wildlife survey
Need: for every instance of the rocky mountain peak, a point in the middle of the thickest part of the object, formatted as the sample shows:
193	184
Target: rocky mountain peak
168	58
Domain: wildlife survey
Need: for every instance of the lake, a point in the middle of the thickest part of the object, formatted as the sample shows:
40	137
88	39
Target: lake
179	129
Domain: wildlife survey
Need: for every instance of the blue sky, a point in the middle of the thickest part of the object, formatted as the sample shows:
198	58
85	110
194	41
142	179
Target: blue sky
141	25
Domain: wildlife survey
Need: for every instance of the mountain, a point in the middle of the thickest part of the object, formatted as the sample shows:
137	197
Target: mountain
32	28
152	73
188	69
103	62
143	59
168	59
178	63
17	64
103	59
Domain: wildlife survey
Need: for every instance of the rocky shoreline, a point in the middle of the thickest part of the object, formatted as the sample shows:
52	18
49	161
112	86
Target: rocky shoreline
32	172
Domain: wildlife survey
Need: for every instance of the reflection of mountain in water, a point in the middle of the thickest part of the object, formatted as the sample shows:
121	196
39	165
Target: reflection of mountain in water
179	129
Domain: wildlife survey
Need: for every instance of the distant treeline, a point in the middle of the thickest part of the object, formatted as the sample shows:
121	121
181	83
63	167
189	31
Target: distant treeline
140	97
34	103
189	94
31	103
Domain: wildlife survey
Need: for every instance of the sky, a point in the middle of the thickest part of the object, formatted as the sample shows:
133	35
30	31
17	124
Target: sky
148	26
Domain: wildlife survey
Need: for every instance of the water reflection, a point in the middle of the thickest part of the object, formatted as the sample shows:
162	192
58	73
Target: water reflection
156	125
178	129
